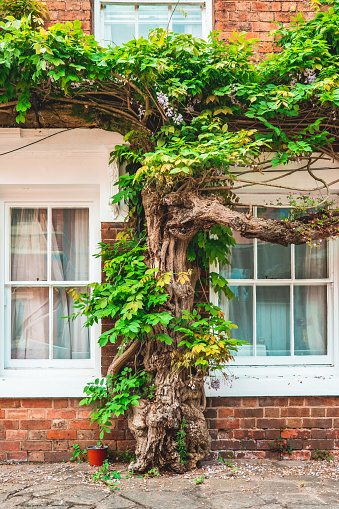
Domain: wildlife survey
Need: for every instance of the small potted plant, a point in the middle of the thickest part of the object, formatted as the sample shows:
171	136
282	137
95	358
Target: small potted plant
113	396
101	414
97	454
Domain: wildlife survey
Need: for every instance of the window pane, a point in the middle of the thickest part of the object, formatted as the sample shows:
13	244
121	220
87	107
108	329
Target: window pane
70	250
311	262
274	262
241	260
273	320
240	312
310	319
28	244
119	23
70	338
151	17
187	19
30	337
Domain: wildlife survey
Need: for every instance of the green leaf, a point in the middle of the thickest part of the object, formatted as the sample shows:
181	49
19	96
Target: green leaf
165	338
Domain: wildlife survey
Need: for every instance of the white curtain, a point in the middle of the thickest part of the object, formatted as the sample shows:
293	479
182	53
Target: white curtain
70	261
70	244
273	302
240	311
30	323
273	320
28	244
30	306
70	338
241	259
310	302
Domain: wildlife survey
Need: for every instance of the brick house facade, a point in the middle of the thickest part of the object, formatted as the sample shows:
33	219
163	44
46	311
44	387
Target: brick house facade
244	426
256	18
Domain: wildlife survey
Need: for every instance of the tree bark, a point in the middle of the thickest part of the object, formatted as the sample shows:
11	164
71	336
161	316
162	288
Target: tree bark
155	423
193	212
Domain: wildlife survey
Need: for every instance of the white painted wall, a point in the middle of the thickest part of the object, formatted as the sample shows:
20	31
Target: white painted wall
75	159
68	166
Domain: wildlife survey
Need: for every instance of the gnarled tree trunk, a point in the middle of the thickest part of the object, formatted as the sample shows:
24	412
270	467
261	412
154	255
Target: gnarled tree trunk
178	398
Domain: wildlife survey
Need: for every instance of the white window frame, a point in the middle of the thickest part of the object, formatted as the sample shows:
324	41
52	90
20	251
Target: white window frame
291	359
288	375
34	363
66	377
207	14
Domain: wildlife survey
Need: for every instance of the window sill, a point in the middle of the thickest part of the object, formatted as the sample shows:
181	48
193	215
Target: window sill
51	384
278	381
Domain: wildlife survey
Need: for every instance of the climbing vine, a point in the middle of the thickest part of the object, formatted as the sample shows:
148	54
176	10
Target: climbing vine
202	122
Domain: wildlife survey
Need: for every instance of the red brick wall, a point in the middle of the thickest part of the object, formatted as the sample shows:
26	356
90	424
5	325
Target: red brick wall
62	11
245	427
45	429
256	18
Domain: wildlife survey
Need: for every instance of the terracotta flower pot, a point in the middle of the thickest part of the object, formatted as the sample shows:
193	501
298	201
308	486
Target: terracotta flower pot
96	455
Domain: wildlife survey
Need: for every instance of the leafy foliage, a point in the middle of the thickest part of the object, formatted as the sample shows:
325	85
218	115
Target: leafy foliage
130	294
206	340
200	480
178	98
209	249
201	149
181	441
281	445
106	476
122	455
115	396
322	455
79	454
33	10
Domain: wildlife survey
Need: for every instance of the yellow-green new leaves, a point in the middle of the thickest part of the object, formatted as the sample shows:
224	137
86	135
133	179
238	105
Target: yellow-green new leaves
184	277
200	347
163	280
203	145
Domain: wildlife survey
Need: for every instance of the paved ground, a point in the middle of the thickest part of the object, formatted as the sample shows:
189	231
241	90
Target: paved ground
261	484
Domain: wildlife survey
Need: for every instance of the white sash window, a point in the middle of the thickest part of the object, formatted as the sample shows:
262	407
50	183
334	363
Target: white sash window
48	255
283	299
285	302
119	21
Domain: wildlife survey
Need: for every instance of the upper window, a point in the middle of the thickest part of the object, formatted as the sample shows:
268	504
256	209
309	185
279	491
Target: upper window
118	22
48	255
283	299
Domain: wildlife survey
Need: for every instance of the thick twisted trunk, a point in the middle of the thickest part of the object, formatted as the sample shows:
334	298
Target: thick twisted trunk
179	398
155	425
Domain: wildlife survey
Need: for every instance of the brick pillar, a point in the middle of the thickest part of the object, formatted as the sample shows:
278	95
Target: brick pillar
62	11
256	18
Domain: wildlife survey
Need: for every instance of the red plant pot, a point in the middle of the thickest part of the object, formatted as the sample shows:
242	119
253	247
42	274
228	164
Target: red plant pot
96	455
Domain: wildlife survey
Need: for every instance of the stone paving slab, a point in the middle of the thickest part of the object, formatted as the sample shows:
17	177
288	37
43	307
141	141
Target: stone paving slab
115	501
260	484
